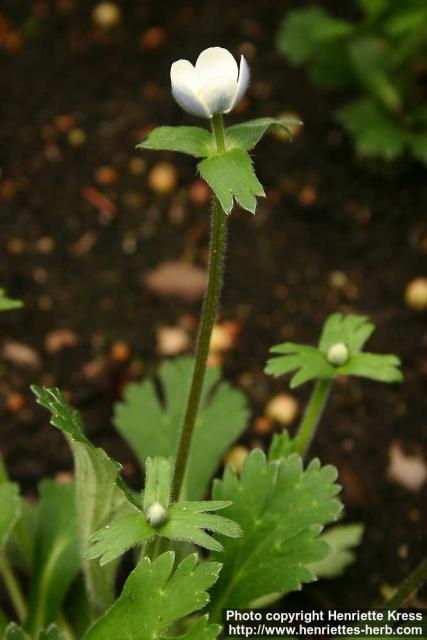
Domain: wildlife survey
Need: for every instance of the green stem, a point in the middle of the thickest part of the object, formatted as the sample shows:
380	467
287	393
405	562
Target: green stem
408	587
312	415
13	589
209	311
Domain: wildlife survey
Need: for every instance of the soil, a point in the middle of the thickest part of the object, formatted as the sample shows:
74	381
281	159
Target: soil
334	233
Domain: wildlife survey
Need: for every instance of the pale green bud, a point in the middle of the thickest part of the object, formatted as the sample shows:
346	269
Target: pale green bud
338	354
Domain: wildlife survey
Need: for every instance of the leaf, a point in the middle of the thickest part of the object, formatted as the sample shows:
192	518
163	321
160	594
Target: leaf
247	134
188	521
383	368
6	304
311	363
10	510
418	144
192	140
154	597
98	496
158	484
351	329
342	539
371	60
375	131
282	446
373	8
281	509
231	177
56	554
184	521
306	30
151	426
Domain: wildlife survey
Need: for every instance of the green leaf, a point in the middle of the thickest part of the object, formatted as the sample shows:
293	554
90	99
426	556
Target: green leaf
304	31
375	131
371	60
56	554
13	632
3	623
151	426
247	134
373	8
186	522
154	598
158	483
192	140
282	446
350	329
384	368
311	363
342	538
281	509
98	496
10	510
231	177
6	304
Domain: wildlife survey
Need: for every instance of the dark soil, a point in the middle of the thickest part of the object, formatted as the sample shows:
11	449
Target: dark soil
326	212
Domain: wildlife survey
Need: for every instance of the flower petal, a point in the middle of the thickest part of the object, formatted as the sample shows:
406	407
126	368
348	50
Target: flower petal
216	61
186	88
218	94
242	83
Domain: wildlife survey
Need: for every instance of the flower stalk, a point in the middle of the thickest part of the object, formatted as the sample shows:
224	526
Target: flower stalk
312	416
209	311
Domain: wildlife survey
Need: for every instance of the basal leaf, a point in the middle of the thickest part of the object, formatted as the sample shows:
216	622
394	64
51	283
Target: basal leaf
14	632
154	598
342	539
98	496
281	509
151	426
191	140
52	633
56	554
10	510
232	178
6	304
282	446
247	134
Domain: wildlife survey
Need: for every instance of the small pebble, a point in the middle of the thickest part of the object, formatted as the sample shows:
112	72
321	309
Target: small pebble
15	402
76	138
106	15
153	39
282	408
106	176
162	177
120	351
236	457
416	294
172	340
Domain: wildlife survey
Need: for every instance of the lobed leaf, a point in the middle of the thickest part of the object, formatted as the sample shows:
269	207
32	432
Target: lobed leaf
151	426
384	368
247	134
158	481
232	178
98	493
309	363
154	598
120	536
281	509
351	329
7	304
191	140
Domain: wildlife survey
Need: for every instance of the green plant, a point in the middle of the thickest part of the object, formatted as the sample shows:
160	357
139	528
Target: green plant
269	539
379	60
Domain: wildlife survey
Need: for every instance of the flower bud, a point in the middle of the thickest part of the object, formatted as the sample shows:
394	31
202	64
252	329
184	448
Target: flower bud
156	514
337	354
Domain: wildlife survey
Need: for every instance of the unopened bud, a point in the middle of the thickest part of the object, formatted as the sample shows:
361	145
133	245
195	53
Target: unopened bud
156	514
337	354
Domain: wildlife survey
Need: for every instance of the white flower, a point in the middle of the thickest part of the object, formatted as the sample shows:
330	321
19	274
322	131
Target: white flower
214	85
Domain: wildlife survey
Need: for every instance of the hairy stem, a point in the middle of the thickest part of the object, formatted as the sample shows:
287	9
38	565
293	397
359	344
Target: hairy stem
312	415
409	586
209	311
13	588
